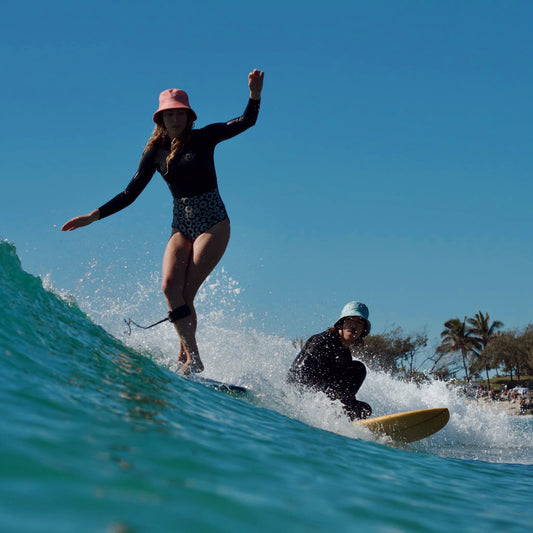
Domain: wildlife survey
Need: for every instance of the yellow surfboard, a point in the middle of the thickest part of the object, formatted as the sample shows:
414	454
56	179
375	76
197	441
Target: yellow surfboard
409	426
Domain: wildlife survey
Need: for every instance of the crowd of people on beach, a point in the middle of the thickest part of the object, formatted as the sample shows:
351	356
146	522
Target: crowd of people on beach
519	396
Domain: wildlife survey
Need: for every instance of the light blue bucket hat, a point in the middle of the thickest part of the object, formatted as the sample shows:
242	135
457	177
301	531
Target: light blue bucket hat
355	309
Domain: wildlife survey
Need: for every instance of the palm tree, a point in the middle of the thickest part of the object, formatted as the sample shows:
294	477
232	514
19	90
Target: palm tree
483	331
458	338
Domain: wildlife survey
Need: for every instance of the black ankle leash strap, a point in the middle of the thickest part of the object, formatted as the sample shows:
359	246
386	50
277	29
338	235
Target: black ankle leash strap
175	314
179	312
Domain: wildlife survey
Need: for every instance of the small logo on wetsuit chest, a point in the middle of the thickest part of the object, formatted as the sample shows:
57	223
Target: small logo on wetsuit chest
188	156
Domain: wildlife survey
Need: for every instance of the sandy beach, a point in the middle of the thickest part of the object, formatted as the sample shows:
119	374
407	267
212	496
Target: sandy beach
512	408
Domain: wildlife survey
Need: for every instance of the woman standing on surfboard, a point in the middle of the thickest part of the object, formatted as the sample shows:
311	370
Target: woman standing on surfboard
200	225
325	362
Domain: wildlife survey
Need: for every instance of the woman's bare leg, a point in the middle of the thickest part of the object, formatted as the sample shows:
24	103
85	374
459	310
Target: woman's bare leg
176	260
186	265
208	250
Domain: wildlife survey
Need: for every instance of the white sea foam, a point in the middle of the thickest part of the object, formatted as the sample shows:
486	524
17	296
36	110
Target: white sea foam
234	352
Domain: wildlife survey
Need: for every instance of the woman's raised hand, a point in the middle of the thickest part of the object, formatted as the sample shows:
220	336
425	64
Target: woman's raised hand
255	83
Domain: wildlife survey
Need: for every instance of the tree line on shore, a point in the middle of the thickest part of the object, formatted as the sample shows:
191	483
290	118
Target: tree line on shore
473	346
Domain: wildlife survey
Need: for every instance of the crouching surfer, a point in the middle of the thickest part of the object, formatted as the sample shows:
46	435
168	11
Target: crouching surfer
325	362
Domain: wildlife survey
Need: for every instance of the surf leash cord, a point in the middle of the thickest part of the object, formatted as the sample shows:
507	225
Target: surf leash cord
176	314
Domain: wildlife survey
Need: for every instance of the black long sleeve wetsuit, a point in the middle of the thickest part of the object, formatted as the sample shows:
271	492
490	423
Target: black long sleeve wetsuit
192	171
324	364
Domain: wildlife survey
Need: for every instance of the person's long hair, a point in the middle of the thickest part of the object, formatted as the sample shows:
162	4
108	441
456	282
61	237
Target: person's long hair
160	137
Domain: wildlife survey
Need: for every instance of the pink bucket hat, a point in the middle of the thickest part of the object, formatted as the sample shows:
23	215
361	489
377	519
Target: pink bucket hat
173	99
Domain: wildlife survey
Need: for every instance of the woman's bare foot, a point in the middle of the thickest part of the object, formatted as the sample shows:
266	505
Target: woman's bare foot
190	366
195	365
182	357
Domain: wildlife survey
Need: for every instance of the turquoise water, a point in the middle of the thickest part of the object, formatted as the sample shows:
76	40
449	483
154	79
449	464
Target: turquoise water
100	434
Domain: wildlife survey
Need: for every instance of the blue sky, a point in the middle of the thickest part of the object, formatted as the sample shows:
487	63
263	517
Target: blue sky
391	161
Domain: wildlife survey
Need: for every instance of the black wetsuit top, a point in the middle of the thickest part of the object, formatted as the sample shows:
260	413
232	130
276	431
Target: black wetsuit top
324	364
192	171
